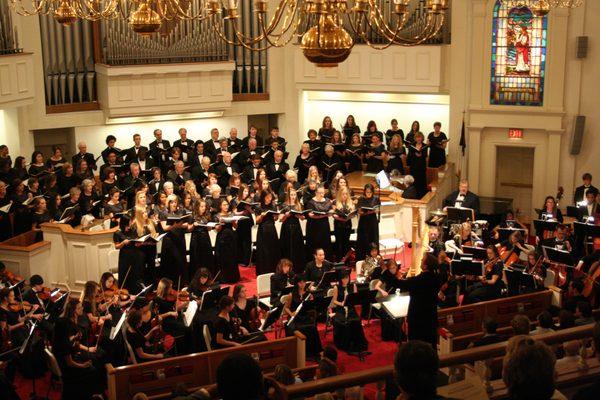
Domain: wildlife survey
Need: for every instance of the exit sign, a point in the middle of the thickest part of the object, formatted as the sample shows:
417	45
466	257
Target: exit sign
515	133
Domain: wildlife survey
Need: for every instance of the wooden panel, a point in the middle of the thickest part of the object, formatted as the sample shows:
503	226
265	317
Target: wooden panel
399	65
16	80
148	87
5	80
22	80
423	66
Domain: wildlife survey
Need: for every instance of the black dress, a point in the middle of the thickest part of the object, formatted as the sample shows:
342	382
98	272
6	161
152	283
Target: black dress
5	223
174	326
131	258
226	256
368	228
291	241
389	134
201	251
302	165
375	164
305	323
354	157
437	155
21	214
226	329
278	283
422	309
268	253
395	161
348	334
482	291
318	233
342	231
417	161
244	232
173	263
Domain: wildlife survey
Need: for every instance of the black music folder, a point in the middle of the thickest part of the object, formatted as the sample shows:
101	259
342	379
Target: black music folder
478	253
543	226
586	230
467	267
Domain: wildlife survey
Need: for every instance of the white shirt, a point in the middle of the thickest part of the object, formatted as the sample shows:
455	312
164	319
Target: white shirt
276	167
459	200
142	165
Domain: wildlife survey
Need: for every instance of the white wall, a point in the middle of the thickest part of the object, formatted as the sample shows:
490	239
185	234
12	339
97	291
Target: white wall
9	129
381	108
95	136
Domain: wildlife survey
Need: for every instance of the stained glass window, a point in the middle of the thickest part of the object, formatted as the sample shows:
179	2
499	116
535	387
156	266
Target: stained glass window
518	55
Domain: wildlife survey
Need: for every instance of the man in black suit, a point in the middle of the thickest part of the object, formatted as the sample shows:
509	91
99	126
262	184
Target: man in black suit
185	145
84	155
225	169
462	198
235	144
411	191
146	164
591	208
131	182
110	146
422	309
251	171
582	190
211	146
159	149
200	172
179	176
244	158
315	269
132	152
199	154
276	170
252	134
276	138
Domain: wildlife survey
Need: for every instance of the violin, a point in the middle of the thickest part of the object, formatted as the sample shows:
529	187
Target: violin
19	307
114	291
9	277
49	295
255	323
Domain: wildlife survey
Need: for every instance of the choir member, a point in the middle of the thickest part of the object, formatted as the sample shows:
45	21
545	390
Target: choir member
201	252
368	226
370	132
394	130
326	130
462	198
38	166
40	213
276	170
580	191
73	202
20	168
159	148
305	322
275	137
82	154
437	141
338	144
21	215
252	134
173	263
348	334
185	144
244	158
374	154
67	179
251	171
88	201
318	234
291	240
243	205
550	211
354	153
179	176
137	340
131	154
303	162
56	159
198	155
330	163
233	187
315	269
415	128
131	258
396	153
350	128
342	225
267	255
111	162
110	148
113	206
491	284
212	146
280	280
226	246
143	226
201	173
234	143
83	171
422	315
417	161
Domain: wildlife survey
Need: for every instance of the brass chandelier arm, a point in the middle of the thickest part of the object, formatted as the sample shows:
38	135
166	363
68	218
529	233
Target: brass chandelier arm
362	34
221	35
42	7
182	14
432	28
278	36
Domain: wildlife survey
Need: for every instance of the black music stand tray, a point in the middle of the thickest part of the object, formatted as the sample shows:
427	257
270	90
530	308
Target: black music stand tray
467	267
543	226
460	214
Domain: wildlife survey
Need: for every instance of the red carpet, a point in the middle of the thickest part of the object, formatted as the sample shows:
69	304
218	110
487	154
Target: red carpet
382	353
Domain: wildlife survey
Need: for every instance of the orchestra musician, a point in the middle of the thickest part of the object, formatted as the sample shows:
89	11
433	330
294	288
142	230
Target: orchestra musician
248	311
280	280
139	341
580	191
560	240
168	307
590	208
348	334
491	283
435	242
305	320
462	198
95	311
448	286
550	211
315	269
228	329
372	266
201	252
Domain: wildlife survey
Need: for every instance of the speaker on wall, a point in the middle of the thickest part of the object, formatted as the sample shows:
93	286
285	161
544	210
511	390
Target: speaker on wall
582	46
577	138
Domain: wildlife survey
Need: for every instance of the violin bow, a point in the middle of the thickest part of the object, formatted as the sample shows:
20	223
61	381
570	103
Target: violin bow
178	288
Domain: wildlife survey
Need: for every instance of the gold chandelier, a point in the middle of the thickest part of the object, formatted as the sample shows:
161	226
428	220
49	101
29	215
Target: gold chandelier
543	7
321	26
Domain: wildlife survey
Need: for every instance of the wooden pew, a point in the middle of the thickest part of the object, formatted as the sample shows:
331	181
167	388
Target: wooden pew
158	378
466	320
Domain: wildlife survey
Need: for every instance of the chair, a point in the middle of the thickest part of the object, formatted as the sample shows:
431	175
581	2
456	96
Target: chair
359	265
550	279
390	245
207	337
263	288
523	255
376	306
113	261
54	368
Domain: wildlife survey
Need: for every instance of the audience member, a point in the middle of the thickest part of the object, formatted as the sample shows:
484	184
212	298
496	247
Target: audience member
239	378
545	323
528	369
521	325
415	370
571	350
490	336
584	313
566	319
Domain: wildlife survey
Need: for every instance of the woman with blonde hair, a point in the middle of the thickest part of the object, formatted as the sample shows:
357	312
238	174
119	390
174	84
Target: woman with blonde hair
190	187
344	211
172	257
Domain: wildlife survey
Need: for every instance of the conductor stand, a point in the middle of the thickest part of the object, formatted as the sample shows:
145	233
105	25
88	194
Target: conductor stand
27	347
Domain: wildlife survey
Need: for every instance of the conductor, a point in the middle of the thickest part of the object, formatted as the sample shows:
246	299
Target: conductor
462	198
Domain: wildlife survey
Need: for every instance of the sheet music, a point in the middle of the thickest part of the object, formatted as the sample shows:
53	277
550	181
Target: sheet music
397	306
190	312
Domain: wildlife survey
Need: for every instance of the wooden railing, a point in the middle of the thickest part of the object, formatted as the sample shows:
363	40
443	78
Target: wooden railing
157	379
448	360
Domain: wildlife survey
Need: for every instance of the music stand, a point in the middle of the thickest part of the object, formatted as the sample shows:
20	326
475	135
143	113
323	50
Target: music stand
397	306
504	233
558	256
478	253
272	317
460	214
586	230
362	297
55	308
210	298
574	212
467	267
328	278
543	226
190	313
